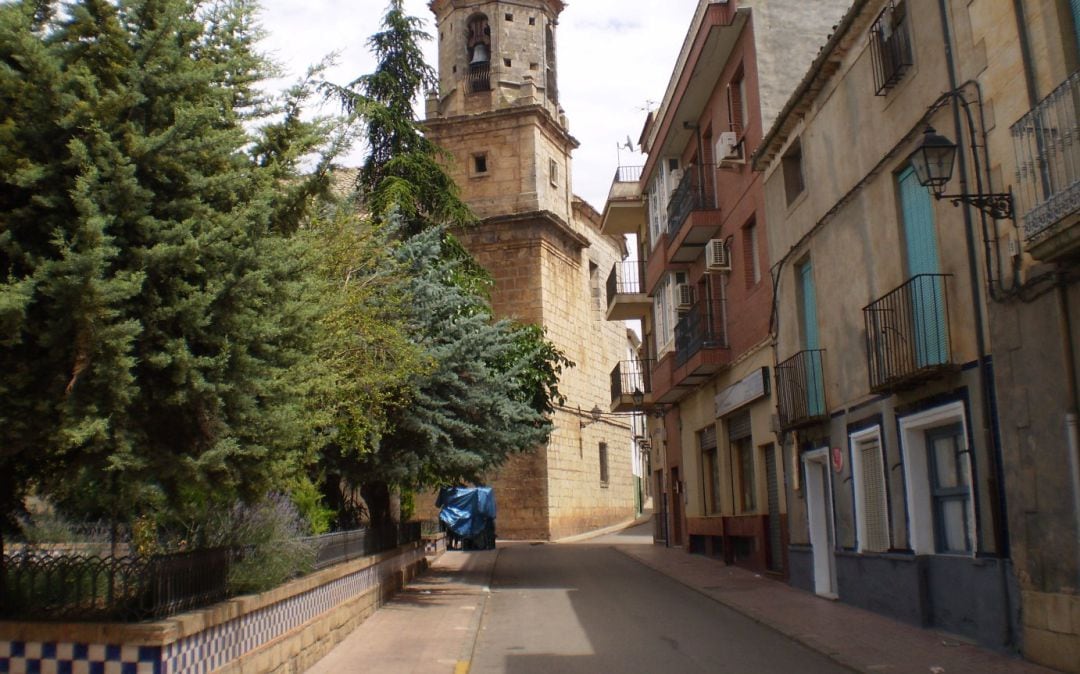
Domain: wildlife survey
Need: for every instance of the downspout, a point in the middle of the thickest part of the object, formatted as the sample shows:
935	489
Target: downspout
985	375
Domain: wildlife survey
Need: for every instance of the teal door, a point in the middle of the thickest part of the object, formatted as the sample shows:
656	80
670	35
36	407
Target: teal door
1076	18
925	325
815	389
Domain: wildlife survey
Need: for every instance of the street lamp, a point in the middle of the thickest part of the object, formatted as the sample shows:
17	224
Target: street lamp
638	397
933	161
595	413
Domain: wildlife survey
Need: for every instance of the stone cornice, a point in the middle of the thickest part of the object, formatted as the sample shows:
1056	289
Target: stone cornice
540	111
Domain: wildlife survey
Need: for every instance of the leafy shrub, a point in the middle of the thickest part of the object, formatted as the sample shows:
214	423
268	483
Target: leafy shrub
269	535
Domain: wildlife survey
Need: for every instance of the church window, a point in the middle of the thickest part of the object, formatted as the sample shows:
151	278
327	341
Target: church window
507	63
532	20
480	163
553	172
509	17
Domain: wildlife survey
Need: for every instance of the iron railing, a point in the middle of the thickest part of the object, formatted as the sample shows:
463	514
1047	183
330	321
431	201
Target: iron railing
342	546
628	174
907	333
626	278
631	375
696	192
890	47
479	77
704	326
1047	145
50	585
800	389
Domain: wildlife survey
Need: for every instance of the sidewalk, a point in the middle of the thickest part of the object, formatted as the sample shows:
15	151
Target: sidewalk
861	640
452	594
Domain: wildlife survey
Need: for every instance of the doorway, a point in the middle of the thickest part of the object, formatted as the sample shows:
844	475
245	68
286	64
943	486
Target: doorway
819	516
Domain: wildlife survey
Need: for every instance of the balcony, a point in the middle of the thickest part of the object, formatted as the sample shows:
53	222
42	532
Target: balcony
701	343
626	298
693	214
890	47
1047	145
624	212
627	377
800	390
907	334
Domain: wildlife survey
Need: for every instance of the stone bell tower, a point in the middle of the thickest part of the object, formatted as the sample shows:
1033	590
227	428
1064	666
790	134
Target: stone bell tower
497	114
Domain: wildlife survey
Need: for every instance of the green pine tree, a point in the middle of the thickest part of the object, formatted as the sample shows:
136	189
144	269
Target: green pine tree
156	342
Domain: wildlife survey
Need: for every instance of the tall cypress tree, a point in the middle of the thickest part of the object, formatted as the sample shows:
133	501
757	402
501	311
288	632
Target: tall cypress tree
154	344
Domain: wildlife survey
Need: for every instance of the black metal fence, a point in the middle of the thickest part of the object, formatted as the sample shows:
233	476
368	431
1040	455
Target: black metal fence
629	376
696	192
628	174
51	585
907	333
890	47
703	326
626	278
800	389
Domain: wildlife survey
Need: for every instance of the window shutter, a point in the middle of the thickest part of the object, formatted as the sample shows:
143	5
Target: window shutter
735	106
738	426
875	514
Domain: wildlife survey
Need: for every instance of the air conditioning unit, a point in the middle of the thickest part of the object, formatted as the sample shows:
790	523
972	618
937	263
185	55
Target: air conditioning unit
717	256
727	147
684	295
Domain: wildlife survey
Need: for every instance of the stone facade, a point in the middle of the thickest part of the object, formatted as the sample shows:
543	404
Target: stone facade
510	152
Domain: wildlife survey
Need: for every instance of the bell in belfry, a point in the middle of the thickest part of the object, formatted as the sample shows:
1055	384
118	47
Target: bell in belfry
480	54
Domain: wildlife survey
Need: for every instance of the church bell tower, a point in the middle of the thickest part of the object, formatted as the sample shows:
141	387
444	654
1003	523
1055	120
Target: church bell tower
497	114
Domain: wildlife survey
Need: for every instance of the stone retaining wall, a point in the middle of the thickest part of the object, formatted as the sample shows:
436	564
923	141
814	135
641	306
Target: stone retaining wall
281	631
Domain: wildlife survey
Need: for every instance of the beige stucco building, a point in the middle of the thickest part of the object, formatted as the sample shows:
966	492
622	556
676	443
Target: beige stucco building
497	114
928	418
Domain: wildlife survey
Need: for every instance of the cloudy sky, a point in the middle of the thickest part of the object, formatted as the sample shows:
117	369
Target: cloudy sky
615	56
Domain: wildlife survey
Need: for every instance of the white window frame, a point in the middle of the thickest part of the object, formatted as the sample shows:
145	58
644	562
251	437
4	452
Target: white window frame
920	509
854	439
664	311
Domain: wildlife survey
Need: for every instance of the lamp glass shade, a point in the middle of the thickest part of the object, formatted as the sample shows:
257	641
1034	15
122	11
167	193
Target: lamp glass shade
933	160
638	397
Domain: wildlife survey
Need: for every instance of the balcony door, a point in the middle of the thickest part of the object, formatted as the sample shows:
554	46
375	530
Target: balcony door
815	391
927	292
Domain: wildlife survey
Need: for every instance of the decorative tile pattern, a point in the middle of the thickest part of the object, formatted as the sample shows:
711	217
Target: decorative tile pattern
200	653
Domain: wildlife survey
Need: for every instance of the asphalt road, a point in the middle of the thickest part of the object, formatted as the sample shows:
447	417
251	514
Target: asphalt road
589	608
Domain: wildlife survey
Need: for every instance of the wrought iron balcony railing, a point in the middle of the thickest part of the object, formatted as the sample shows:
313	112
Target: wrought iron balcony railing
890	47
696	192
704	326
626	278
479	77
907	333
628	174
1047	145
800	389
631	375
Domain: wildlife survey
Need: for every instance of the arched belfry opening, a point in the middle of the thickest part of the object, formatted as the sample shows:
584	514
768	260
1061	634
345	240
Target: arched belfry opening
478	44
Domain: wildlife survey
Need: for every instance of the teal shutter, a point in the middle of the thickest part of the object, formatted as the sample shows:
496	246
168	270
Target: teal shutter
1075	4
927	292
815	391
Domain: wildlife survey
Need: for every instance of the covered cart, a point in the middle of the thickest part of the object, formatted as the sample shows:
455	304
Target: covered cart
468	516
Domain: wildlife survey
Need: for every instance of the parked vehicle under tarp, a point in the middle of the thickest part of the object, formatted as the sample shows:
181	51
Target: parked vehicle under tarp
468	516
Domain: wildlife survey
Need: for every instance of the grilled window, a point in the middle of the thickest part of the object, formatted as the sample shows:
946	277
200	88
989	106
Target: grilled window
890	46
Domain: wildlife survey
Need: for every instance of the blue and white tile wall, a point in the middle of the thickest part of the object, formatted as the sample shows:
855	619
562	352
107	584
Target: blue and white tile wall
200	653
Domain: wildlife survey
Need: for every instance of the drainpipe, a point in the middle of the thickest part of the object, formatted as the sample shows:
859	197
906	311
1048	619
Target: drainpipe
1072	425
985	376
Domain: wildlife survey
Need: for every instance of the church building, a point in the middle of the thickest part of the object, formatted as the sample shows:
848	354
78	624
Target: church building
497	113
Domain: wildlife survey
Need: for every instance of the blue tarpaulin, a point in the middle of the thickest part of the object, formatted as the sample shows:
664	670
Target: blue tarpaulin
468	512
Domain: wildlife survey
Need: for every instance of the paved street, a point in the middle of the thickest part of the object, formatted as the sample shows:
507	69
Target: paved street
618	603
590	608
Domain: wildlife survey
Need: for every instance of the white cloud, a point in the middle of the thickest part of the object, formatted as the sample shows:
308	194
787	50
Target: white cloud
613	56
